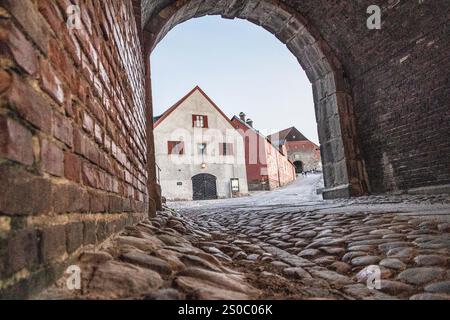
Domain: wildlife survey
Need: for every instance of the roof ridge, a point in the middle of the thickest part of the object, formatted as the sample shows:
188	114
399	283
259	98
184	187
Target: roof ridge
179	102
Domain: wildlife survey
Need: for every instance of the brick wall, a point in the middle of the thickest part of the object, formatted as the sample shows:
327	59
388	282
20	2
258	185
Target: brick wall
72	134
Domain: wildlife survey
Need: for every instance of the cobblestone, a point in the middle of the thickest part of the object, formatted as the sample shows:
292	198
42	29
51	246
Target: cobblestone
237	249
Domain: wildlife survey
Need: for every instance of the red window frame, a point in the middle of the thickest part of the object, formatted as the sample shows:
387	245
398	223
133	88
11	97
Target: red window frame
199	121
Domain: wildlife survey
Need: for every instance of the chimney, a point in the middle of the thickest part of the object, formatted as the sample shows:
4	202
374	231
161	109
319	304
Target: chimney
250	122
242	116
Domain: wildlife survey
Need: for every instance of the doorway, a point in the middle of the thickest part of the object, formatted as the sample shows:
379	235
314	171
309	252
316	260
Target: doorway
204	187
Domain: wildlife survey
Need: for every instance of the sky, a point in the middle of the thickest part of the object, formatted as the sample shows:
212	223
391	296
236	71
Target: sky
241	67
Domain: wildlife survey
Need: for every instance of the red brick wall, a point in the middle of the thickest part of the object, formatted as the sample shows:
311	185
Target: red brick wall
72	134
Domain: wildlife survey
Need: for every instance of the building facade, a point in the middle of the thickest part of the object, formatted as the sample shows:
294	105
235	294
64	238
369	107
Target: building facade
303	153
199	154
267	166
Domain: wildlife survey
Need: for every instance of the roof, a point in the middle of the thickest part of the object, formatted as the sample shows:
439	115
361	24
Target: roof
248	126
277	147
157	120
289	134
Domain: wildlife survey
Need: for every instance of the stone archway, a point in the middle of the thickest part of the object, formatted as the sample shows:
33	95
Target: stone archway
343	167
298	166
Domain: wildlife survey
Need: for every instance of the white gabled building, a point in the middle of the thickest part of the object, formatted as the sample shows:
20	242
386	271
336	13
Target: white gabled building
198	151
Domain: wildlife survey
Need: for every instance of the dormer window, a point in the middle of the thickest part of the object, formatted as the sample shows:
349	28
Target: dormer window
199	121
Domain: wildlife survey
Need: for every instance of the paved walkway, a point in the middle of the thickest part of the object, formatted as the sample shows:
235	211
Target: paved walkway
286	244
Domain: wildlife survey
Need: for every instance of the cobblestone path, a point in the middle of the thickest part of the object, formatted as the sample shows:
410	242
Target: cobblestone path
270	247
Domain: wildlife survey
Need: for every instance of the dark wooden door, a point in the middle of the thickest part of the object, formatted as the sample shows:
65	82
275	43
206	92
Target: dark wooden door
204	186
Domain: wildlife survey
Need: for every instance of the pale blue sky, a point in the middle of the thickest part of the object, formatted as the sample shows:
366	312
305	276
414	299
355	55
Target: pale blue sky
241	67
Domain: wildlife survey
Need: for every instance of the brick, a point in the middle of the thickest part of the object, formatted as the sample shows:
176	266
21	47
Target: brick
72	167
68	198
51	82
61	63
115	204
62	129
98	202
73	47
74	236
89	233
79	141
70	107
88	123
53	243
22	251
50	12
97	111
15	142
90	175
17	185
52	158
20	49
101	231
31	106
92	151
30	19
98	134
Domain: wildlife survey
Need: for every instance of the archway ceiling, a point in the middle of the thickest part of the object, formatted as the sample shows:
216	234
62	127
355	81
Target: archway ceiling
335	20
342	24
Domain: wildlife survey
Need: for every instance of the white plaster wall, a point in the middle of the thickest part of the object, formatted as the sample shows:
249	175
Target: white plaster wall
181	168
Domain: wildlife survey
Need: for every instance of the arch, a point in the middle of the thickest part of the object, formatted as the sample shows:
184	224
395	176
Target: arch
298	166
343	167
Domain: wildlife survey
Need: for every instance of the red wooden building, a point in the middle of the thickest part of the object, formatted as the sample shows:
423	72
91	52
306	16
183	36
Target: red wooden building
267	166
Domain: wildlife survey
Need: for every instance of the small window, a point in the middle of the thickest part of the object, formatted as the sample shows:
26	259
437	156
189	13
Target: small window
199	121
202	148
226	149
175	147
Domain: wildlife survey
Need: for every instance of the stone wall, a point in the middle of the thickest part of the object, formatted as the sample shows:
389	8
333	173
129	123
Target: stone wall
72	134
400	84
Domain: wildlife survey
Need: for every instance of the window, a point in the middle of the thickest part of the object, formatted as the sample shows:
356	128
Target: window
226	149
202	148
175	147
199	121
